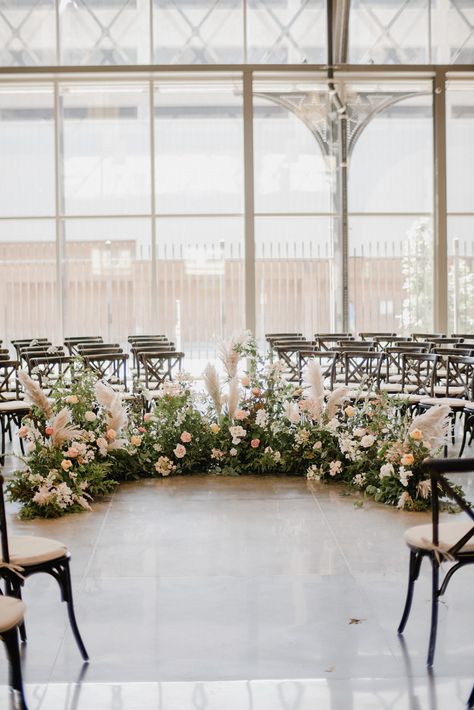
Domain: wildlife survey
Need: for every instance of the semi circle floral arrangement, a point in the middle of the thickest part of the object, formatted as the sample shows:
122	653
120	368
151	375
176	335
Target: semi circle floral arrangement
84	437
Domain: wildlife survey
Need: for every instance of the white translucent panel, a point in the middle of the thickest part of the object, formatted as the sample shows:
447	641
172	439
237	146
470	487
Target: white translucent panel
205	32
198	147
200	271
27	33
395	32
286	31
291	172
28	290
460	146
293	274
391	168
27	186
452	31
106	148
107	271
391	273
461	273
102	32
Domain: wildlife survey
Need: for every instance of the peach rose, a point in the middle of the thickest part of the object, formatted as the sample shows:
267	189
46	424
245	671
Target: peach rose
416	435
111	434
135	440
256	391
407	460
215	428
245	381
23	431
185	437
255	443
49	430
66	464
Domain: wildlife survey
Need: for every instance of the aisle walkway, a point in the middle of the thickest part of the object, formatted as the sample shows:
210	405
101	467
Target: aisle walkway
240	593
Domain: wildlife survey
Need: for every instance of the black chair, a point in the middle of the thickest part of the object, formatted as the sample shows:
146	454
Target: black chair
32	555
439	541
12	408
11	616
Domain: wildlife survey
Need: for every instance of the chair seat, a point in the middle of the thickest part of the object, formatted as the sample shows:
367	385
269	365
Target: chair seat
11	613
421	536
26	550
14	406
390	387
453	402
454	391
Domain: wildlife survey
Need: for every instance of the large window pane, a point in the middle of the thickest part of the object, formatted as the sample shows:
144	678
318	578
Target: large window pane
286	31
199	203
102	32
293	274
294	181
200	262
460	173
107	278
28	294
390	203
27	186
27	33
106	148
207	32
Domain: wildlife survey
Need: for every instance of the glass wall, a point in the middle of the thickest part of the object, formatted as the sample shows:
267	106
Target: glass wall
391	208
199	210
120	32
293	207
460	177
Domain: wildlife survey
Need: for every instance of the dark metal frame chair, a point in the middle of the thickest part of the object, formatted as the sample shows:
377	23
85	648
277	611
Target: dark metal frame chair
12	408
452	541
11	612
35	555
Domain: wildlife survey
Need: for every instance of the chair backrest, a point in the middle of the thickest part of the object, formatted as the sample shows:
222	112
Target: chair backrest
73	342
362	367
96	347
29	342
460	374
111	367
380	335
437	468
50	368
8	380
159	366
414	345
138	338
327	362
418	371
464	336
327	342
426	336
442	342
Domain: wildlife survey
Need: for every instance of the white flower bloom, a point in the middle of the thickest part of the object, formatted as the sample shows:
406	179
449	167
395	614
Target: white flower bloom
313	473
333	425
404	475
276	456
261	418
360	432
334	468
291	412
386	470
367	441
233	452
359	479
90	416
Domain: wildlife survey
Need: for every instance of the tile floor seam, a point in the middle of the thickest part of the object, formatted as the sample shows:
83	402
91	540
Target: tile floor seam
332	532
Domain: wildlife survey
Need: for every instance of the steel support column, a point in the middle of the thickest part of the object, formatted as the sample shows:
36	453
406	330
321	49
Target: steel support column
440	243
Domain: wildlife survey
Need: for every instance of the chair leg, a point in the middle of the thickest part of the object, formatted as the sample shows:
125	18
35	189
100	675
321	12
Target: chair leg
434	610
13	589
10	639
64	579
470	702
413	572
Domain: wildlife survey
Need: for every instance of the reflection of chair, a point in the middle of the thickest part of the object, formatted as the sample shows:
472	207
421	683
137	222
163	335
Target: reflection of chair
11	615
439	541
34	555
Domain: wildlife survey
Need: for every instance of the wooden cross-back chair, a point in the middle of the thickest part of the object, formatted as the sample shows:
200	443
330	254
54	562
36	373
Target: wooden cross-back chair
418	372
49	369
111	367
72	343
361	369
32	555
158	367
440	541
148	346
327	362
287	352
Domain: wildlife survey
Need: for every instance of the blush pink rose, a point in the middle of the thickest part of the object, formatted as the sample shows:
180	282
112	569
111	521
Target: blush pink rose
255	443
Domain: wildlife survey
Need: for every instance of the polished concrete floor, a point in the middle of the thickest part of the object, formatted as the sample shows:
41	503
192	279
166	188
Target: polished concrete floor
253	593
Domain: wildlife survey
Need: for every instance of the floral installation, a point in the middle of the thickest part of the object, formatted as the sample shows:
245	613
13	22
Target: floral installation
247	418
